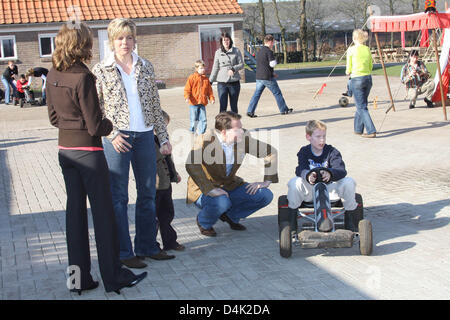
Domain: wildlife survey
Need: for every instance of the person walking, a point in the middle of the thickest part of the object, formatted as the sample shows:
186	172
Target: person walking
266	77
127	91
359	66
75	110
8	77
227	64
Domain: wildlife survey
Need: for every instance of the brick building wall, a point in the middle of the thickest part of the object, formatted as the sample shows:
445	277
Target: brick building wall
172	49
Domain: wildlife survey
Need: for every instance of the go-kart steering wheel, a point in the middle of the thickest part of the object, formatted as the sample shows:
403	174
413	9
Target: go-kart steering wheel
318	174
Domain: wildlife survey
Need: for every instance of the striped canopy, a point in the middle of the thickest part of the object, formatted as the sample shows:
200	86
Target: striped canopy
411	22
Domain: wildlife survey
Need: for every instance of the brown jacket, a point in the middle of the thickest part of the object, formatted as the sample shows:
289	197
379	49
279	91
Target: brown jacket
164	166
73	107
207	168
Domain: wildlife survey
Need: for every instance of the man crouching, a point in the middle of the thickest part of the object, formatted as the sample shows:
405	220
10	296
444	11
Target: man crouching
213	185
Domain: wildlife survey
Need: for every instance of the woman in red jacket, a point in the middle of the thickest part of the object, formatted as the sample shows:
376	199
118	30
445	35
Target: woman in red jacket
73	107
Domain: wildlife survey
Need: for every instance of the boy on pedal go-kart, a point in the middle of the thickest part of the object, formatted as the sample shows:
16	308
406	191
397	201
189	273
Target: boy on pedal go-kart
318	154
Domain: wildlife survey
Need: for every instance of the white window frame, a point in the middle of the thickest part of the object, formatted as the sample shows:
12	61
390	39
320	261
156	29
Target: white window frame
202	27
3	58
46	35
103	44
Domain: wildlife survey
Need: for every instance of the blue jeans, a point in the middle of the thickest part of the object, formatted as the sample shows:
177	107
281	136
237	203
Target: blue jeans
231	89
44	89
238	205
360	87
272	85
142	157
197	115
349	88
6	84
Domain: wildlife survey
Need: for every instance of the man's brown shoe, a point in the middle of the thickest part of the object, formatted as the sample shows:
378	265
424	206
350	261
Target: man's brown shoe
233	225
179	247
206	232
134	262
162	255
369	135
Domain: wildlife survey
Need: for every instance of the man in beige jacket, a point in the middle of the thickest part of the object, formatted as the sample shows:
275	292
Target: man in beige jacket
213	185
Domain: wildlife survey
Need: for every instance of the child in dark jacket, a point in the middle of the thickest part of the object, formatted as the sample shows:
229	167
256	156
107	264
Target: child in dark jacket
165	212
319	154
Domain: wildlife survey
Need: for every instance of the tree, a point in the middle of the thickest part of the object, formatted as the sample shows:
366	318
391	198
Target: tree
415	5
355	10
282	32
251	23
317	11
263	18
392	6
303	30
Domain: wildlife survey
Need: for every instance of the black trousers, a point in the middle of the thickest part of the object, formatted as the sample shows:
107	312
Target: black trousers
86	174
165	213
228	89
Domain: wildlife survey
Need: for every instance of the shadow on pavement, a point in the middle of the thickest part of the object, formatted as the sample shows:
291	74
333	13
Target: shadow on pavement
21	141
303	123
430	125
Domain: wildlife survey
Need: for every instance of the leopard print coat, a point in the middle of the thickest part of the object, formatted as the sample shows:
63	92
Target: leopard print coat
113	97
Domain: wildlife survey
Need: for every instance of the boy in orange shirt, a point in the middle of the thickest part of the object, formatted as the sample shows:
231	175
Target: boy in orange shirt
197	92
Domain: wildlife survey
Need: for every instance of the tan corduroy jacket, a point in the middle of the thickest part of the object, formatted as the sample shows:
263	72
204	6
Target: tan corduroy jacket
207	168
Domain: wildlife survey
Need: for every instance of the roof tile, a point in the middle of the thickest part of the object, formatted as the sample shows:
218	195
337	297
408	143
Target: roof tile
44	11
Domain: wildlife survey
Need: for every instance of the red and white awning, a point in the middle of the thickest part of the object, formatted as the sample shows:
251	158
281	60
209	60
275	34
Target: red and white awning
411	22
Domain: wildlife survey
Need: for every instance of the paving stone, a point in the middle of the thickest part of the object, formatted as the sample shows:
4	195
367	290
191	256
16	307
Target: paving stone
405	197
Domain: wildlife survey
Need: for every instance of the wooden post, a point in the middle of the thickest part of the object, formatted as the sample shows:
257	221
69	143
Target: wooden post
385	73
438	69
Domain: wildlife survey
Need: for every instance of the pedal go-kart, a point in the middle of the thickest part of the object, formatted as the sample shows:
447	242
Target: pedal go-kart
322	223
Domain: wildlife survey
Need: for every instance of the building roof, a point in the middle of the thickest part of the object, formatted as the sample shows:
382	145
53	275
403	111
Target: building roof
48	11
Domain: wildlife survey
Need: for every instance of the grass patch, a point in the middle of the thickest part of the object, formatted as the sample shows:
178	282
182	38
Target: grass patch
392	71
303	65
395	71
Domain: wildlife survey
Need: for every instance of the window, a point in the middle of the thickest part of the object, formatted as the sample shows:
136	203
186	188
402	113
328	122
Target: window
209	41
8	47
46	44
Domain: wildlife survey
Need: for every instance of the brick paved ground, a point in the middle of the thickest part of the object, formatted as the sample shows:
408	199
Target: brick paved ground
403	176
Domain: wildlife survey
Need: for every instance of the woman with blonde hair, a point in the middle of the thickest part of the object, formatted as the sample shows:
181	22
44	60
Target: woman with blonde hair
128	93
359	66
74	108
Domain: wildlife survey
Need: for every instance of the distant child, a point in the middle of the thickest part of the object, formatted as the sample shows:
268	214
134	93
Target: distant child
197	92
23	89
165	212
318	154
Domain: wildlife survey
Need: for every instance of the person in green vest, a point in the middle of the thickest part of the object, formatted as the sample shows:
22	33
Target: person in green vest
359	67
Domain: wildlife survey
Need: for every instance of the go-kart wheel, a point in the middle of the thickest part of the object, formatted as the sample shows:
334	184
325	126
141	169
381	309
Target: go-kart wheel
365	237
286	214
352	219
319	176
343	102
359	214
285	239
